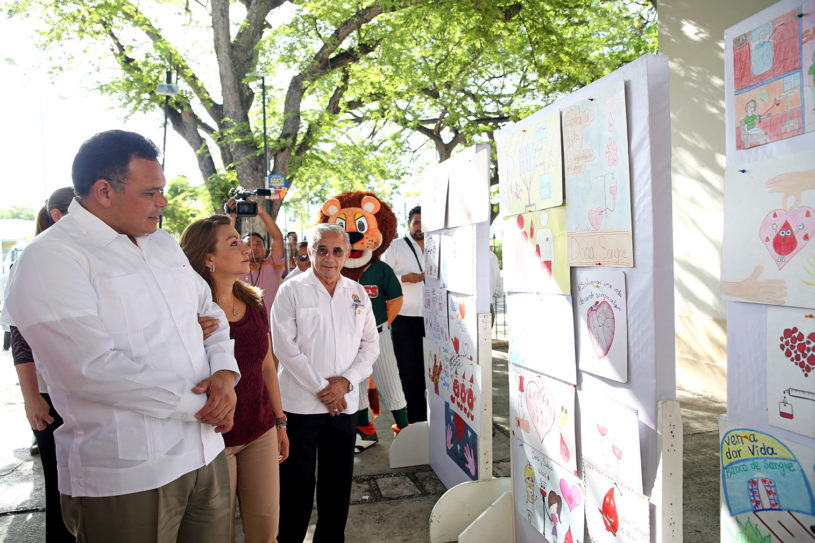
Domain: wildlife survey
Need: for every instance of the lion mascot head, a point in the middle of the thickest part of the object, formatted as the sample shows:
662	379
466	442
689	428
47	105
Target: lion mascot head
370	224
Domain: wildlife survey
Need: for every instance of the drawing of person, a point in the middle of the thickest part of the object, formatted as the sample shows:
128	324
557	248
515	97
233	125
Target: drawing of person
750	133
761	50
554	503
531	495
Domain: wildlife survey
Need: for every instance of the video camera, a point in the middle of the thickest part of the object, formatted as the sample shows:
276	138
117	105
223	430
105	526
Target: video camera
244	208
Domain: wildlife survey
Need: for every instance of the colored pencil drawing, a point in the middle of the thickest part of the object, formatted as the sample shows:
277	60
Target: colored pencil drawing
460	386
535	252
462	325
541	412
431	256
461	442
767	51
468	188
602	329
457	265
547	495
541	334
767	254
530	169
770	112
614	511
808	68
598	187
790	364
435	314
610	439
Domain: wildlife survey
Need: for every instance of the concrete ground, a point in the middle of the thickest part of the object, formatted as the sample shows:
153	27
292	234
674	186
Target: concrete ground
386	505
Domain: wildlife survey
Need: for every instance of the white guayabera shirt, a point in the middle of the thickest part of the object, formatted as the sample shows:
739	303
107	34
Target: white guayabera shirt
113	327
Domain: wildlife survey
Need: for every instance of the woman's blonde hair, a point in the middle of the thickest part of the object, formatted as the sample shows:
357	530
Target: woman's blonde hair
199	240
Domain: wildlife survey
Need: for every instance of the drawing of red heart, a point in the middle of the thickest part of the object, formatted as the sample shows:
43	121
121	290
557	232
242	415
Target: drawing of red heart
541	407
786	233
460	425
618	452
564	449
600	322
462	310
595	219
602	429
570	493
799	349
455	344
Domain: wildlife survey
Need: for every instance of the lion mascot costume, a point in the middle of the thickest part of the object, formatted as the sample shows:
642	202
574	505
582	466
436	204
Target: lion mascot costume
371	226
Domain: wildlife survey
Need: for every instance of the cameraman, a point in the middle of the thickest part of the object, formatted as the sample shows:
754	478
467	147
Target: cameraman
264	270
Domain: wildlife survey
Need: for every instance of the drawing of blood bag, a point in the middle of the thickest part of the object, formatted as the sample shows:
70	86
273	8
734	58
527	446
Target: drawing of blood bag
785	409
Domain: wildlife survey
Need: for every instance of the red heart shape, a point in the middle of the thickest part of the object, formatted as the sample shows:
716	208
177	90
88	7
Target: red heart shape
799	349
460	425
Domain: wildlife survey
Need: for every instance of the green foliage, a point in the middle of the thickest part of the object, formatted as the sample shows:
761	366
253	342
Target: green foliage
748	533
27	213
185	203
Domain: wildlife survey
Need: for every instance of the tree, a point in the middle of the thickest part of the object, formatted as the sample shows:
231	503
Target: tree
185	203
27	213
446	67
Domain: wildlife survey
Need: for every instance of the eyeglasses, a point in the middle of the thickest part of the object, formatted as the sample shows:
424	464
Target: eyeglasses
337	251
302	258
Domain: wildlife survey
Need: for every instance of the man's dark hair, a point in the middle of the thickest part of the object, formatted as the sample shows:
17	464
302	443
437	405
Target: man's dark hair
416	210
246	237
107	156
302	245
290	233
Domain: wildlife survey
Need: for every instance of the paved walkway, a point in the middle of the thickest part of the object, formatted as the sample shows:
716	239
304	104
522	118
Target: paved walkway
386	505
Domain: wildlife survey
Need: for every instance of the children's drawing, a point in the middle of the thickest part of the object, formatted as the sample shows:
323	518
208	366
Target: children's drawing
462	325
435	314
766	51
602	329
766	485
770	112
541	412
460	386
769	215
790	368
434	197
535	252
461	442
530	169
458	259
541	334
433	366
547	495
610	439
598	188
614	511
431	256
469	187
808	68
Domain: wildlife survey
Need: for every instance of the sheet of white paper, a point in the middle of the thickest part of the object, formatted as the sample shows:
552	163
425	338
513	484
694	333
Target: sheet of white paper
615	513
542	414
549	497
432	246
535	252
610	438
602	323
541	333
598	186
469	186
458	265
434	197
435	314
462	326
791	369
769	222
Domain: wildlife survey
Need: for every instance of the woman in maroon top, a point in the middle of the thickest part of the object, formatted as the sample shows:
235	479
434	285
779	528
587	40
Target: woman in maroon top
258	441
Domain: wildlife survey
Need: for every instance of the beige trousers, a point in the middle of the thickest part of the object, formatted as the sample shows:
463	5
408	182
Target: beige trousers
193	508
254	477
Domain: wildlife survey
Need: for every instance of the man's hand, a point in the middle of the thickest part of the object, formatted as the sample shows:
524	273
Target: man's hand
37	412
333	395
413	277
208	325
282	444
219	410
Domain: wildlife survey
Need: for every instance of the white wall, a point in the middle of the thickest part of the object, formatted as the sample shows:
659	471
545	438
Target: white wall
691	33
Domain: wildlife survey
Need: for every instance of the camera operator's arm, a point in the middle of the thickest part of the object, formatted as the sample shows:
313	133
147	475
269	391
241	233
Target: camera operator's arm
274	231
229	209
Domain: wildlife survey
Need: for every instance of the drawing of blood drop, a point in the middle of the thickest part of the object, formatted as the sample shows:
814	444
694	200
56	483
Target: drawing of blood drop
568	538
784	242
609	512
564	449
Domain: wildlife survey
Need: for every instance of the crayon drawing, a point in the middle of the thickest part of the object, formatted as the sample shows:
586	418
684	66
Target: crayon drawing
615	513
462	326
542	413
457	268
432	246
469	187
791	369
461	387
808	68
598	187
766	486
535	252
433	366
461	442
530	168
435	314
767	51
769	222
602	328
610	438
541	334
769	112
548	496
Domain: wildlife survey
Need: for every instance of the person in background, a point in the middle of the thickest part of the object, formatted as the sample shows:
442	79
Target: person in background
302	259
109	304
39	409
265	266
406	257
325	338
291	251
257	442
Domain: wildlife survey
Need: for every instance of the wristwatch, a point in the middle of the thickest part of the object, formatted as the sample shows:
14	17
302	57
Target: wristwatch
350	387
280	422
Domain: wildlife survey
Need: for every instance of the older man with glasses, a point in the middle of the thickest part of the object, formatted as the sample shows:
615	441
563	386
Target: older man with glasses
324	334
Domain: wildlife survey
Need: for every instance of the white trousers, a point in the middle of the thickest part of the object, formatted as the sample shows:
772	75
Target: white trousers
385	375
